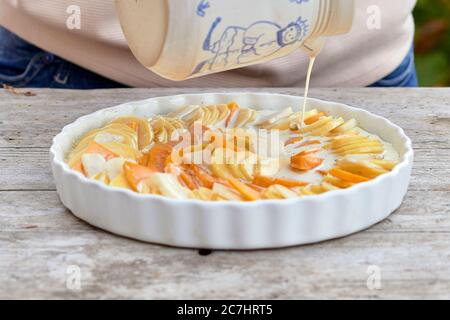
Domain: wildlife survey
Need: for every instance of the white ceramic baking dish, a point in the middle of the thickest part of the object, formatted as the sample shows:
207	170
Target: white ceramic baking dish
231	225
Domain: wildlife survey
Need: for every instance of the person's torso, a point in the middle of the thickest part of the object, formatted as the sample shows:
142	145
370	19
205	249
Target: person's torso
380	37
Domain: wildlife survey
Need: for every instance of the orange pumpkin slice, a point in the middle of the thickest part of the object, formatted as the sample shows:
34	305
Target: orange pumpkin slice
188	181
135	173
292	140
309	143
314	118
247	192
78	166
205	178
305	162
159	156
265	182
94	147
347	176
308	152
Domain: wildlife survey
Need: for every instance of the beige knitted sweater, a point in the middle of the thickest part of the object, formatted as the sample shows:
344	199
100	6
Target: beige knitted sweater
358	58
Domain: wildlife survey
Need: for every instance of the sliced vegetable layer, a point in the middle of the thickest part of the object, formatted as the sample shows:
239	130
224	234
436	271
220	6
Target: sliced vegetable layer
217	152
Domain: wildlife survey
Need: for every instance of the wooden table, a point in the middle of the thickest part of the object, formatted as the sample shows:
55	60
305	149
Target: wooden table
41	242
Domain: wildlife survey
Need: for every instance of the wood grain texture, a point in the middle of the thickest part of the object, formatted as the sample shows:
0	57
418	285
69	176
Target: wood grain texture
39	238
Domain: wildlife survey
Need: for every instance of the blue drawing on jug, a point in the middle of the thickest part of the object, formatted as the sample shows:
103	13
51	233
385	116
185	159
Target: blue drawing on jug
299	1
241	45
201	8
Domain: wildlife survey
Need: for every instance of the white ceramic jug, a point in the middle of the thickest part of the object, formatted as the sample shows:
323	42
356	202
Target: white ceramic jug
181	39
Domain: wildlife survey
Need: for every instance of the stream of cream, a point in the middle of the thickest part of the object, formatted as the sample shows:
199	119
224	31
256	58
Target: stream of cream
312	59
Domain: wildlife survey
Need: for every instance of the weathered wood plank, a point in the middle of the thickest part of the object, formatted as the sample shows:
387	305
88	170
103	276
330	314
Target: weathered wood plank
411	249
24	168
36	211
112	267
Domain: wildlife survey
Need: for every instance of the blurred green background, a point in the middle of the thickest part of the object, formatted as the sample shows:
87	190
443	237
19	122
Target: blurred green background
432	42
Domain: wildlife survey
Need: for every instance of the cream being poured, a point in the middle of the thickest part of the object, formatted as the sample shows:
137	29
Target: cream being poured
312	59
313	48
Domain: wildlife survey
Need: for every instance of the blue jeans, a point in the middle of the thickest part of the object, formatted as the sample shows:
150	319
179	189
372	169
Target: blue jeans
25	65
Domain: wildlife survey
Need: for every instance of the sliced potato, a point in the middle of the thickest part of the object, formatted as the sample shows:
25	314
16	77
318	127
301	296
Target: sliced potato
304	191
182	112
102	177
141	126
326	128
277	191
120	181
243	117
328	187
113	130
385	164
346	126
296	118
268	166
204	194
274	117
114	167
122	150
93	163
315	125
169	186
337	182
196	115
355	144
363	168
223	112
226	193
167	129
248	193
